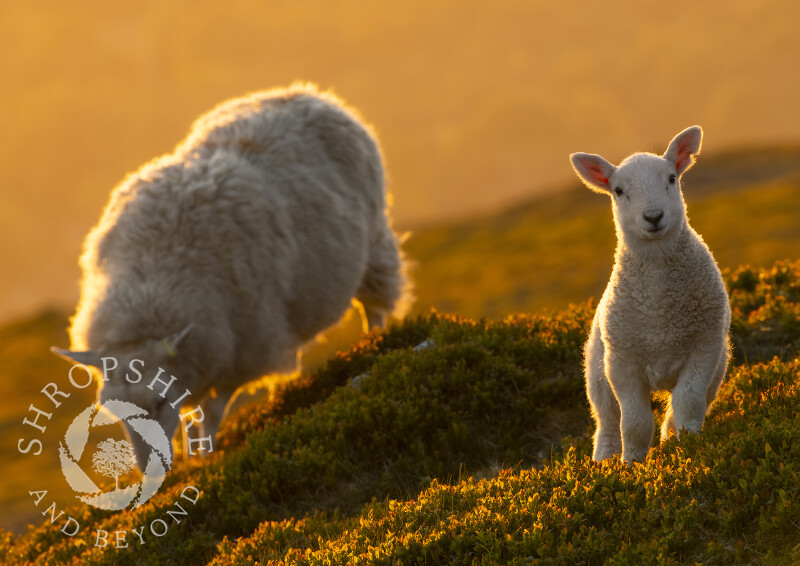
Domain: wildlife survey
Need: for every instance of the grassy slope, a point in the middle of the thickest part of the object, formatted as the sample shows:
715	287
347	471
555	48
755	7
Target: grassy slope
559	249
25	366
487	396
728	495
467	268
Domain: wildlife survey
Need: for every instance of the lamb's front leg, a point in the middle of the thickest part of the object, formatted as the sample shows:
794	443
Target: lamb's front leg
669	423
697	386
637	423
606	414
605	409
696	390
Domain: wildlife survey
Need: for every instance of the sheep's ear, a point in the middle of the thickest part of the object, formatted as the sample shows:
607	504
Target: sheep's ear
171	344
593	170
87	358
684	147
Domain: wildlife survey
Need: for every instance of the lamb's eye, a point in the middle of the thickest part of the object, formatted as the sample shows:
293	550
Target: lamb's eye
672	179
619	191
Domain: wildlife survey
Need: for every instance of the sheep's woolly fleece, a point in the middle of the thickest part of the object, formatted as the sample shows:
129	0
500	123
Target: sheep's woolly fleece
256	233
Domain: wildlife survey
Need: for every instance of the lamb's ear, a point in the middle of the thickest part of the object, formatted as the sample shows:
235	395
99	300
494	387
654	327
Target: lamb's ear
87	358
684	147
593	170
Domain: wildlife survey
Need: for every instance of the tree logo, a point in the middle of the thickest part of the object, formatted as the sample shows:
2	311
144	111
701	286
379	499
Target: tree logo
114	458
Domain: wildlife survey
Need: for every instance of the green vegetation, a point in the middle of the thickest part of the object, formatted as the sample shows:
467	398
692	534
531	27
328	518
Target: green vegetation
475	448
25	366
729	495
559	249
375	473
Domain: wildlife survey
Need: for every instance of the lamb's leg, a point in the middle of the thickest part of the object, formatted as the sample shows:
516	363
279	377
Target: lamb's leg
637	423
606	414
719	374
668	425
383	281
697	387
605	409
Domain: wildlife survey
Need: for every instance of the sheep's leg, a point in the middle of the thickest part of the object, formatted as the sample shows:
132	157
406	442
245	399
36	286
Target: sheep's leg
637	423
371	316
605	408
382	284
214	406
375	318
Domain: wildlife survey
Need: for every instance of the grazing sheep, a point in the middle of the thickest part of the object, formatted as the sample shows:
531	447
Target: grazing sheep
217	262
662	323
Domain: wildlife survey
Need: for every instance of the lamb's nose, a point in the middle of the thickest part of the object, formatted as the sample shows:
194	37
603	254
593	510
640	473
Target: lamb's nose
653	216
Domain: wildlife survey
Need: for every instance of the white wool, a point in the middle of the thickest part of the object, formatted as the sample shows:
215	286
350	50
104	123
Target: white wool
663	321
258	231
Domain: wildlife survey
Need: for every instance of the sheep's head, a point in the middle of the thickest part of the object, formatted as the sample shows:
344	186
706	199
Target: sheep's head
645	188
139	373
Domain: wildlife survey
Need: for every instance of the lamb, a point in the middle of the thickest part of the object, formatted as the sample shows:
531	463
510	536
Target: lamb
217	262
663	320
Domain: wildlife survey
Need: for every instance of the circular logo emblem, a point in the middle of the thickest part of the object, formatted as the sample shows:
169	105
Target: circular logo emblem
114	458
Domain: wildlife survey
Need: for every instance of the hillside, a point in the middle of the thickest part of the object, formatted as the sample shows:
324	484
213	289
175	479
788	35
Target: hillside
475	107
558	249
25	366
540	255
453	453
308	464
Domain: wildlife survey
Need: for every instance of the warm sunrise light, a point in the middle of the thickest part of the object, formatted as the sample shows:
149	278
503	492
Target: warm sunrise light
475	402
476	108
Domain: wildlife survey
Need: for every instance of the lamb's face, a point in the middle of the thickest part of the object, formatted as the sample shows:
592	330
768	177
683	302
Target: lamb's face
647	199
645	188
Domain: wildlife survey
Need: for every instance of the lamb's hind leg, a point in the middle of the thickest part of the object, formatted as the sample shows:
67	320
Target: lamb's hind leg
383	282
605	409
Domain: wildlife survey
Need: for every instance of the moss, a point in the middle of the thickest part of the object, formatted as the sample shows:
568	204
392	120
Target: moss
766	312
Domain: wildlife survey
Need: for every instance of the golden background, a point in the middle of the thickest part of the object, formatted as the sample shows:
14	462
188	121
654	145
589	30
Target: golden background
477	104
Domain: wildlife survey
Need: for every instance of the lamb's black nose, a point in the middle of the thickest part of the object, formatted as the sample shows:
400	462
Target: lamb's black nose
653	216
